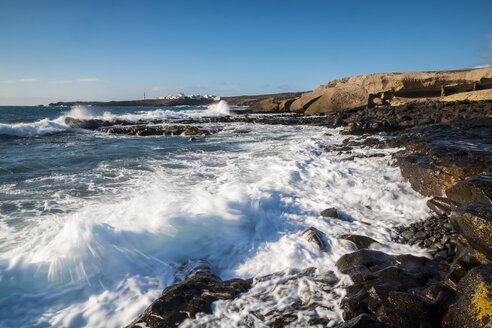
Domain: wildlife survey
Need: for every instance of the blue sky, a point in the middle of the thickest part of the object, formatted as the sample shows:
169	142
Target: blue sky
115	50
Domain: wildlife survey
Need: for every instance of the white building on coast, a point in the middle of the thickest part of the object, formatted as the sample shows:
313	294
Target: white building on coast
192	96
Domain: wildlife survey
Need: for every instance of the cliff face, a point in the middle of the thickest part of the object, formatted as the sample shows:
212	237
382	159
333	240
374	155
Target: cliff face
378	89
420	84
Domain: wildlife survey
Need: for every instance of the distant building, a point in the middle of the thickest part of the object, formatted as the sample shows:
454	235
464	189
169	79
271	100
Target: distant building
181	95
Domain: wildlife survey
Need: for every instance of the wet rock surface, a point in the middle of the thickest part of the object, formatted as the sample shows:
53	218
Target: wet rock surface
360	241
447	152
392	288
173	130
193	295
315	236
330	213
364	321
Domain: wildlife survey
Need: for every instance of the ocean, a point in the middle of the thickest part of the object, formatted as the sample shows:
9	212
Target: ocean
93	226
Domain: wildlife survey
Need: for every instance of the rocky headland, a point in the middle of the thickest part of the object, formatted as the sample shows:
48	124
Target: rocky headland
442	124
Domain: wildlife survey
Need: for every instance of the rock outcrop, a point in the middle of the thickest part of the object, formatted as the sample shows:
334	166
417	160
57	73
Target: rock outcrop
377	89
392	288
473	308
421	84
185	299
474	222
265	106
477	189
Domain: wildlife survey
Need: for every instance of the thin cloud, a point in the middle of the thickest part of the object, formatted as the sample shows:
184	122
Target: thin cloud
482	66
284	87
29	80
489	40
485	53
90	79
64	81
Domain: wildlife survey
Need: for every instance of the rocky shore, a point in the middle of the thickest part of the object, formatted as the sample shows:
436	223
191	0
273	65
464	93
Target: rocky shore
445	154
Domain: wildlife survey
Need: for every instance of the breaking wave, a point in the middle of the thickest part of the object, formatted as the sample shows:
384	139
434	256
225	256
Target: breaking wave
56	125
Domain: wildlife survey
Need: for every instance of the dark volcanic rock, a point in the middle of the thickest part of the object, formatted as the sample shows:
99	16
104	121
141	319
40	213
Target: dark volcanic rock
315	236
474	222
330	213
168	130
193	295
359	241
410	115
388	287
477	189
438	157
441	205
473	308
435	233
364	321
372	260
85	124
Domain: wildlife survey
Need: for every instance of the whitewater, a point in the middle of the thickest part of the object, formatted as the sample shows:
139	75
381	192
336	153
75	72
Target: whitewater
94	226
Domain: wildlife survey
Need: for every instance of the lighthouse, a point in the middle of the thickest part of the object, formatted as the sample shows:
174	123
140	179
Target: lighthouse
144	95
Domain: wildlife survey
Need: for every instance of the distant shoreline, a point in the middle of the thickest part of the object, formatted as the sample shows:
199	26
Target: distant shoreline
233	101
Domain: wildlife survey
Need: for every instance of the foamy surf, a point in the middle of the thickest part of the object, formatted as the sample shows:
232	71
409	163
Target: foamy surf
97	244
46	125
49	126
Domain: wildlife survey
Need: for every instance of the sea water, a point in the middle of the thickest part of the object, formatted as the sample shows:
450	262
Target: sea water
94	226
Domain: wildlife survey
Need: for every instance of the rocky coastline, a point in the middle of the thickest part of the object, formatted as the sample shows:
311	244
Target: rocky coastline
446	155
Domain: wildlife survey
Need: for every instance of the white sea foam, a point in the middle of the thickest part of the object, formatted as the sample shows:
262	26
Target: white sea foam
100	265
49	126
219	109
45	126
41	127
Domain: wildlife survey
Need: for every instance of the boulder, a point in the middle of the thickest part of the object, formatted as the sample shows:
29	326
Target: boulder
330	213
331	100
364	321
370	259
185	299
341	98
315	236
284	105
359	241
386	287
474	222
91	124
473	308
477	189
265	105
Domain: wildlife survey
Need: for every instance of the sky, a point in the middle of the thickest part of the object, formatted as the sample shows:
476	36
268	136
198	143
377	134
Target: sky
63	50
